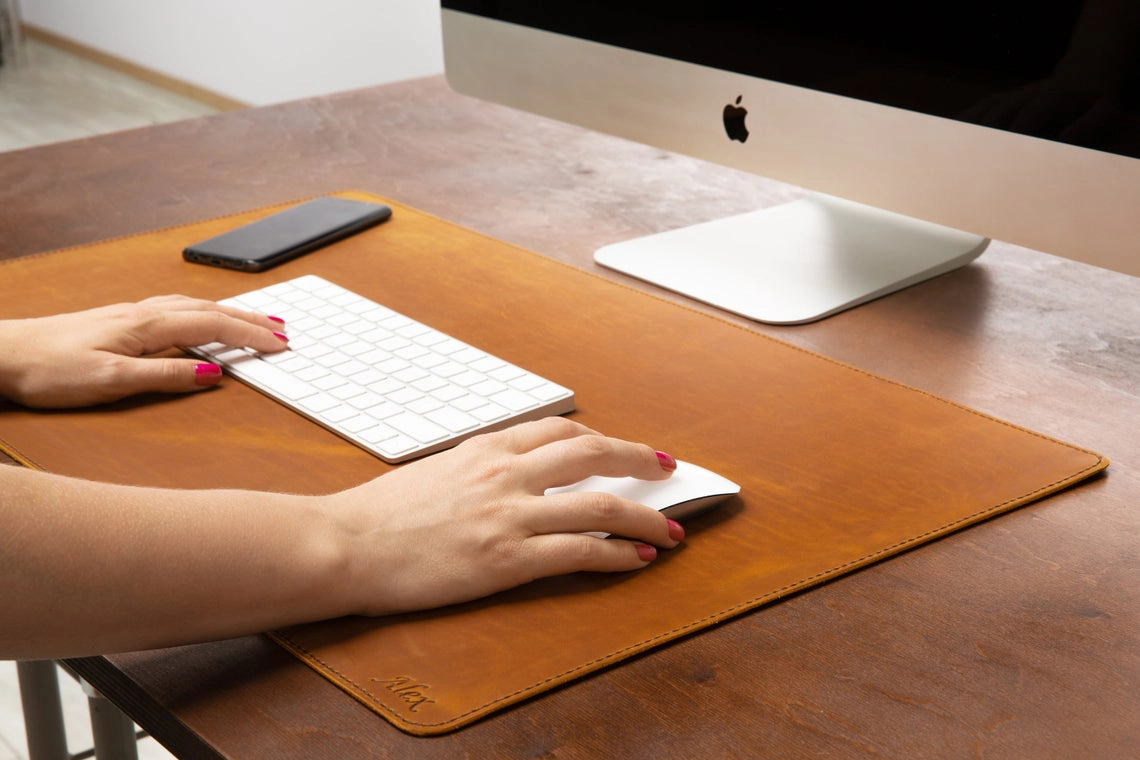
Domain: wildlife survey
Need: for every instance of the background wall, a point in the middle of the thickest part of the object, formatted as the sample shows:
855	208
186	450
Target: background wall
257	51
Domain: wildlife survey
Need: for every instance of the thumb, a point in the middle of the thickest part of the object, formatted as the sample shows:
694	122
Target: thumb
144	375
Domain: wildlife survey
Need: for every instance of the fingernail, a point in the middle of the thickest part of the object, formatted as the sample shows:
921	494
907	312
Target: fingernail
282	336
667	462
207	374
676	532
278	320
646	552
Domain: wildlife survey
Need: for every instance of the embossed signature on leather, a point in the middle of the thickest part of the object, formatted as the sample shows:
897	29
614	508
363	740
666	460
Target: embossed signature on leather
409	690
839	468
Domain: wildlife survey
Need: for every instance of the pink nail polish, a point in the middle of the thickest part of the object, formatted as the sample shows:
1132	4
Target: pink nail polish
207	374
667	462
646	552
676	532
282	336
278	320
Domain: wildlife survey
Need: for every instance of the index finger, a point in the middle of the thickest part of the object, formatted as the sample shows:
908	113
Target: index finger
196	328
566	461
527	436
186	303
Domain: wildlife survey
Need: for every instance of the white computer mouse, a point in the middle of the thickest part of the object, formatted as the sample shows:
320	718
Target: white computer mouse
689	490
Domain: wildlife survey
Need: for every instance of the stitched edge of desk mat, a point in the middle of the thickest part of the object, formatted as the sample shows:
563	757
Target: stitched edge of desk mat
919	466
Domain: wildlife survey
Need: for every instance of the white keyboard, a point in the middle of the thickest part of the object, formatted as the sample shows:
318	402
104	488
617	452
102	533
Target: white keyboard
393	386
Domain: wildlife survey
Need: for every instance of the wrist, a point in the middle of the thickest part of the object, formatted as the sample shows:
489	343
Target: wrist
12	368
323	563
364	565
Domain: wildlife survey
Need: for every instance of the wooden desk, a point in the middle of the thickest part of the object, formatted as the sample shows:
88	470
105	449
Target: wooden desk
1016	638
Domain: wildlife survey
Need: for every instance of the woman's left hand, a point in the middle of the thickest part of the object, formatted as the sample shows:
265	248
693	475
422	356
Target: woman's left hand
104	354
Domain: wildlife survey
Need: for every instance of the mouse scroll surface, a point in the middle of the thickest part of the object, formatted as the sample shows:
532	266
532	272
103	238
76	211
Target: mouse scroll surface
689	490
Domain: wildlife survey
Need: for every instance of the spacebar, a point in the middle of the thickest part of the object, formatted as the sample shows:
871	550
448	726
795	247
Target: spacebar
271	378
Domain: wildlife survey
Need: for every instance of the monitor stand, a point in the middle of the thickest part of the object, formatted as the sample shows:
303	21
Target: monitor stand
797	262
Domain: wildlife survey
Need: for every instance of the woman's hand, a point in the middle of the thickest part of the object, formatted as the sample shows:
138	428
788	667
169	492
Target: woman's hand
474	520
104	354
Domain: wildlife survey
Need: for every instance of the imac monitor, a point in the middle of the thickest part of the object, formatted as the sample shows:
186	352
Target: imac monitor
923	131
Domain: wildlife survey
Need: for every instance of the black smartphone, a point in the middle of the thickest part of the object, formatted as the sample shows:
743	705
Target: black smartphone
287	234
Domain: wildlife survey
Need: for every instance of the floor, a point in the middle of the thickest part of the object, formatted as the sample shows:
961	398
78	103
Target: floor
57	96
54	96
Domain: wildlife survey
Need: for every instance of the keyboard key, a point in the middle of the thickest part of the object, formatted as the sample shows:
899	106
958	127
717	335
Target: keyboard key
487	364
490	412
251	368
366	400
377	433
404	396
321	402
424	404
468	379
232	355
488	388
514	400
467	355
346	391
548	392
338	413
453	419
468	402
358	423
448	392
287	363
526	382
386	386
329	381
397	446
414	426
506	373
310	373
384	410
429	383
409	375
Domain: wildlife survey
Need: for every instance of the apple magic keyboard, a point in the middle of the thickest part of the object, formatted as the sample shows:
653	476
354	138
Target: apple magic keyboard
393	386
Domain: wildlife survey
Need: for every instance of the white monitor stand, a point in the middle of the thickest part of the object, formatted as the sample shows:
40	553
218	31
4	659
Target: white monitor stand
795	263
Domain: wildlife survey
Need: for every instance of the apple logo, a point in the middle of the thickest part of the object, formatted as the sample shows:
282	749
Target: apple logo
734	120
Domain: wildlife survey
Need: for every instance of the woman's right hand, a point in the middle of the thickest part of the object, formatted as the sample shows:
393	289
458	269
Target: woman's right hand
474	520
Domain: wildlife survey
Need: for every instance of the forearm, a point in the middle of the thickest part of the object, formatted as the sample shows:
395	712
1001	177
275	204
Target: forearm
92	568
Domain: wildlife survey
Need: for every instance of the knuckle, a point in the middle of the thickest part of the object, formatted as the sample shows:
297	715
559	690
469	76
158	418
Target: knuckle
586	552
110	373
593	447
215	319
559	425
130	312
603	507
168	298
105	380
504	553
135	319
481	444
493	515
494	470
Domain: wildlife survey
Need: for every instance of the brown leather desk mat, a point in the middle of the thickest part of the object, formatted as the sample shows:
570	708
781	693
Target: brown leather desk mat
839	468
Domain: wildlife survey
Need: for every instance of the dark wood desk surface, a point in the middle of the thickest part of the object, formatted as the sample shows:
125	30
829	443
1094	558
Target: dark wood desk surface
1016	638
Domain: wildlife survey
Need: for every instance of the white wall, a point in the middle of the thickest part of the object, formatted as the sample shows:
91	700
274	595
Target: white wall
257	51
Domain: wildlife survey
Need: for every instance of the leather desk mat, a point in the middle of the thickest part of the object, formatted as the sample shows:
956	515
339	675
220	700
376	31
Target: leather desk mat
839	468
